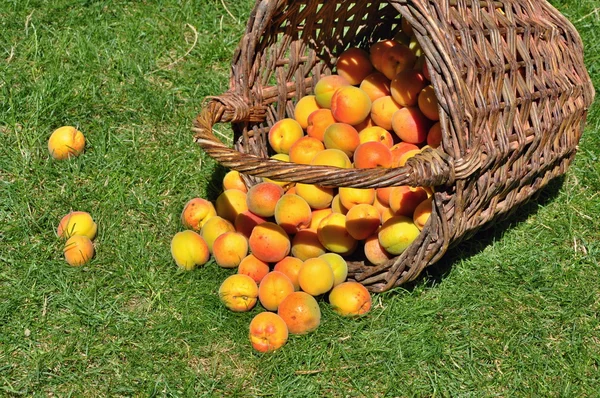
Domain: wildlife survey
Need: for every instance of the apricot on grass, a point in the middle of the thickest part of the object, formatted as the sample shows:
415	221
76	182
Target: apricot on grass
262	198
77	223
213	228
189	250
268	332
273	288
229	249
306	244
290	266
253	267
292	213
78	250
269	242
230	203
66	142
239	293
196	212
338	265
350	299
300	312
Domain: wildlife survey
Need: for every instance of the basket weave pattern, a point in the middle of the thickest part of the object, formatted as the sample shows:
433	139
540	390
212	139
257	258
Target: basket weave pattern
513	97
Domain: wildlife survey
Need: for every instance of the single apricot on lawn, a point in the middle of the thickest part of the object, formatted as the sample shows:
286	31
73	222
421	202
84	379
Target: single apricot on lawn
269	242
273	288
189	250
77	223
268	332
78	250
229	249
253	267
239	293
290	266
300	312
66	142
196	212
350	299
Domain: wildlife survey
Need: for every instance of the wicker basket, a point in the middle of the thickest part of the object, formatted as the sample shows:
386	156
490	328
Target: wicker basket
513	97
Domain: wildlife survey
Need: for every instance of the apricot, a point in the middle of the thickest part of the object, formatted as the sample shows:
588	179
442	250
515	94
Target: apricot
382	110
376	85
230	203
422	213
404	199
376	134
233	180
246	221
292	213
334	236
318	121
78	250
362	220
353	196
341	136
269	242
326	87
304	107
229	249
350	105
196	212
350	299
268	332
305	149
410	125
332	157
373	154
316	196
189	250
368	122
273	288
399	149
239	293
315	276
374	252
396	59
428	103
77	223
66	142
306	244
213	228
283	134
337	206
378	50
338	265
253	267
262	198
406	86
290	266
402	159
354	65
300	312
317	216
383	196
397	233
434	136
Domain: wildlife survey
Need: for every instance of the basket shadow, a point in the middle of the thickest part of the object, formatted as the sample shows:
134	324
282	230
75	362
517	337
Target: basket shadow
435	273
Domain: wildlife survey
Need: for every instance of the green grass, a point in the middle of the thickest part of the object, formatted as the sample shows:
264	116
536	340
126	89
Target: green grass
512	312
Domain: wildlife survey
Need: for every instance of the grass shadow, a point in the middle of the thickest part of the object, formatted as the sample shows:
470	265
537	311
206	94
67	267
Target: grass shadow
435	273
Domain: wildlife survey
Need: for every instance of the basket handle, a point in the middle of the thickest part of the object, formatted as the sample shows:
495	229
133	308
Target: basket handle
428	168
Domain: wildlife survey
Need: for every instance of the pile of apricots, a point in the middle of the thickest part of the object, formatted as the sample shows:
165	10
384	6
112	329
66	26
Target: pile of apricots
288	242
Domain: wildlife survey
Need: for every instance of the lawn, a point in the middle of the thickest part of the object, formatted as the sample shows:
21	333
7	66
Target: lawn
512	312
